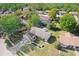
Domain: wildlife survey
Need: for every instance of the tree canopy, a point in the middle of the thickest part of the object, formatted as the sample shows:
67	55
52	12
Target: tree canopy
68	22
61	6
9	23
35	20
52	13
11	6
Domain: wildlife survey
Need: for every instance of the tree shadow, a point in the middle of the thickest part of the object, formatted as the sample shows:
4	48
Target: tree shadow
76	33
70	48
52	39
55	29
64	50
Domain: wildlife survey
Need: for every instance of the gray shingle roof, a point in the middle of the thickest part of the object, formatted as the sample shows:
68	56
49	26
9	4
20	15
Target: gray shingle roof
40	33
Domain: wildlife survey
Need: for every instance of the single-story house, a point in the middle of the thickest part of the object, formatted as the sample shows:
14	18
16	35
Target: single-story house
60	13
23	20
39	12
42	12
68	40
40	32
76	18
75	14
8	11
24	8
1	11
44	18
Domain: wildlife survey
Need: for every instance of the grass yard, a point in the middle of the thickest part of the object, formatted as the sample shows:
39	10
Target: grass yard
68	53
47	50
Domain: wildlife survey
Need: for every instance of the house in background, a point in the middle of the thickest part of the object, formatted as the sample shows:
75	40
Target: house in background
44	20
75	14
42	12
60	13
6	11
23	20
25	8
43	15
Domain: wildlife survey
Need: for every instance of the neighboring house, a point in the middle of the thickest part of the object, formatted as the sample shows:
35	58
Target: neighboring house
42	12
40	32
25	8
60	13
8	11
76	18
74	13
68	40
23	20
39	12
44	18
1	11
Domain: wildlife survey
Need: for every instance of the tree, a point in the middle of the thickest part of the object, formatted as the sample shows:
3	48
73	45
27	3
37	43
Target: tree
52	13
9	23
35	20
11	6
68	22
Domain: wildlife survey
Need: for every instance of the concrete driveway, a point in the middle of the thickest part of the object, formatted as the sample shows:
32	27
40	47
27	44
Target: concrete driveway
3	50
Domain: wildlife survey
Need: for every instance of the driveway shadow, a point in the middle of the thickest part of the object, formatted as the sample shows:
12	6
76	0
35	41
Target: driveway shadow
52	39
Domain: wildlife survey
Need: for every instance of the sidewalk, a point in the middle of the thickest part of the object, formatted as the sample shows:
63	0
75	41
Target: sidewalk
3	50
